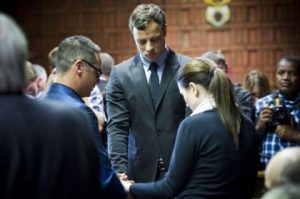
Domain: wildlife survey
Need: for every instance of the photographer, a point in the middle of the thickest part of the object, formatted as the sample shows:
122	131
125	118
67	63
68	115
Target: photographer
277	115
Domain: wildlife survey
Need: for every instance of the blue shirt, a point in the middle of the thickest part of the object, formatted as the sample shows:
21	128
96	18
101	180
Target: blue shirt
271	143
160	62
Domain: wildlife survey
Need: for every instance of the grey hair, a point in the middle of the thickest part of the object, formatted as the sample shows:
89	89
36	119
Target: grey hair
13	55
107	62
72	48
40	71
215	55
143	14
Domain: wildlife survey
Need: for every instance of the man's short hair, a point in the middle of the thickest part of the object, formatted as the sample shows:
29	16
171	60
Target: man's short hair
40	71
143	14
215	55
218	57
293	59
72	48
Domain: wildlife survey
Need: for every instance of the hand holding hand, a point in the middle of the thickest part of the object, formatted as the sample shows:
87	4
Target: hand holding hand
126	184
122	176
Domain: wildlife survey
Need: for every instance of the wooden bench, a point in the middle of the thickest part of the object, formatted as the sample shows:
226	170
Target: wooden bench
260	185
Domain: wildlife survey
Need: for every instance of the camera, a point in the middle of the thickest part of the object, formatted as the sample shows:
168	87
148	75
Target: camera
281	114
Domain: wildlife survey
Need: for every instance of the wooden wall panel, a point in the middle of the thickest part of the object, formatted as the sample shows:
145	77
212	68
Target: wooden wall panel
257	36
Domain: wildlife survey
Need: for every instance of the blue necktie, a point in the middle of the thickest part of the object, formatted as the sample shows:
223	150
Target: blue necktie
153	82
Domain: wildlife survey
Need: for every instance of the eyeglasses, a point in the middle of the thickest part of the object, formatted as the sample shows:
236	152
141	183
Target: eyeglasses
98	70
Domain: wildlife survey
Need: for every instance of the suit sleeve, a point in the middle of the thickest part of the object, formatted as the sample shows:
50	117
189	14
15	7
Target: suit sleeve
117	124
110	183
181	166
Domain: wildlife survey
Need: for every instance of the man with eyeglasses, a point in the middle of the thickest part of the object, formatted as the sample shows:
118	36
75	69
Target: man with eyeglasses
77	72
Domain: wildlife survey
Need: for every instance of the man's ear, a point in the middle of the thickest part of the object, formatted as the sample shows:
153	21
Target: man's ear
78	67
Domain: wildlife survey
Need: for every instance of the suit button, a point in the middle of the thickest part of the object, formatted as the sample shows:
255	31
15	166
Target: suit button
158	133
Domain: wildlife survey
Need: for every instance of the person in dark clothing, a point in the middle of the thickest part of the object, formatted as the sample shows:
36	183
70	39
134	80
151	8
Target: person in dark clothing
216	148
45	148
144	106
77	72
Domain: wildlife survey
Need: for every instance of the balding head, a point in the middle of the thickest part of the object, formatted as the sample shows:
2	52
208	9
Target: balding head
283	168
283	192
218	57
107	62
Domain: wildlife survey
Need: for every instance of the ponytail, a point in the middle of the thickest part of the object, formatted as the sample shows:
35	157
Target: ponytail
205	72
222	91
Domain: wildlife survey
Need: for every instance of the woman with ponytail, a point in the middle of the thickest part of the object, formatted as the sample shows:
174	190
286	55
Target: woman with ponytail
216	149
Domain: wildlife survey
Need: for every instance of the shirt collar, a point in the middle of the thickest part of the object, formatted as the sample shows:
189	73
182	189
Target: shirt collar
289	102
206	105
160	60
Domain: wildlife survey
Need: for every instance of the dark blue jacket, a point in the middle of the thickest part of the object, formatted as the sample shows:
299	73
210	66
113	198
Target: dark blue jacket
46	151
206	163
110	184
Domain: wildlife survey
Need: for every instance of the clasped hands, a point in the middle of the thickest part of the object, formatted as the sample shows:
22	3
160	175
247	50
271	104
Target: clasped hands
125	182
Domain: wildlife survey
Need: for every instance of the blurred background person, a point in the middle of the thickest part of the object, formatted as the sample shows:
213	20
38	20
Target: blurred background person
282	175
283	168
242	97
97	99
41	78
283	192
107	64
45	150
257	83
31	87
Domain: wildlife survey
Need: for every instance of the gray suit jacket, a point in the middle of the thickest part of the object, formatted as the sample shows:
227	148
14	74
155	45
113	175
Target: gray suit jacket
138	131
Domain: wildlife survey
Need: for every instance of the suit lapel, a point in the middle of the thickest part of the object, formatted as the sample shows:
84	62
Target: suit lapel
138	74
171	67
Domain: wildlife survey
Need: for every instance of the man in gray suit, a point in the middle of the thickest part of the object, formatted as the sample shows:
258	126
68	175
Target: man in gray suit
144	105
